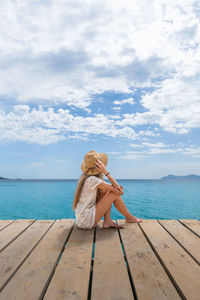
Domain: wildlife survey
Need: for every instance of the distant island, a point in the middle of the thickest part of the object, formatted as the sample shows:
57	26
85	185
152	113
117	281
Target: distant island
174	177
2	178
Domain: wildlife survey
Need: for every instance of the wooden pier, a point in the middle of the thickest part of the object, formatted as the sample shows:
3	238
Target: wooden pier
54	259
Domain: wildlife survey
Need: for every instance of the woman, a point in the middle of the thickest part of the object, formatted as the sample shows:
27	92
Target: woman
94	197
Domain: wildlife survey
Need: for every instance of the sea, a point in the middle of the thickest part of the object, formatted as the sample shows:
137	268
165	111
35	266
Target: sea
53	199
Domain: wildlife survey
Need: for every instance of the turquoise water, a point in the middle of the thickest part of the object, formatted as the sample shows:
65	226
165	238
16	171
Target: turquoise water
148	199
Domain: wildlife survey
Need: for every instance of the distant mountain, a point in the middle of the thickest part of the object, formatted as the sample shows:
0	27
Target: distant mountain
2	178
173	177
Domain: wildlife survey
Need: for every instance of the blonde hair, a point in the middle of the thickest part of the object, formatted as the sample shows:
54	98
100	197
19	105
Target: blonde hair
79	187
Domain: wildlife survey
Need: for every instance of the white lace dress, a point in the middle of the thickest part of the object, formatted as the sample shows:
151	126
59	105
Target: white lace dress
86	207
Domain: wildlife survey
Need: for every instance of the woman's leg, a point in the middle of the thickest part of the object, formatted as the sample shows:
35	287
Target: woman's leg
108	221
107	216
121	207
104	204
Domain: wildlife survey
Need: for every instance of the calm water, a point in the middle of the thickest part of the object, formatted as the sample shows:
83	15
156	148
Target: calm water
147	199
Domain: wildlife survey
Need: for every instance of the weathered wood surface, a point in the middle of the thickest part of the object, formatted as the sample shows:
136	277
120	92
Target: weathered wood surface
149	277
185	237
31	278
20	248
13	231
71	278
110	276
4	223
180	266
54	259
193	225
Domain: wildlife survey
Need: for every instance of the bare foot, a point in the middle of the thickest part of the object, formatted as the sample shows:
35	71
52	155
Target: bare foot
133	219
111	224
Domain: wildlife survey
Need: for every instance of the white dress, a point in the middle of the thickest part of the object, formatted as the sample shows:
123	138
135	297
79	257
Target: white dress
86	207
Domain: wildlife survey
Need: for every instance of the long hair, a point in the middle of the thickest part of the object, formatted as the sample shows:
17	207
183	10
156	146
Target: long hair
79	187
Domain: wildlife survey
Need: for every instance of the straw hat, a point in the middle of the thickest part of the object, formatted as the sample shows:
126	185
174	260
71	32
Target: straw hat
88	165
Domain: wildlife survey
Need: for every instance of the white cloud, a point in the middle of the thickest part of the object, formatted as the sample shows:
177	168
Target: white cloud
146	153
121	102
116	107
61	161
154	145
50	126
149	149
148	132
35	164
45	126
135	119
131	156
195	152
136	145
160	151
48	57
174	106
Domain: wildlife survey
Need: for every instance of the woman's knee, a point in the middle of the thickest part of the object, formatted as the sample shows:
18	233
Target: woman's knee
107	193
109	196
112	196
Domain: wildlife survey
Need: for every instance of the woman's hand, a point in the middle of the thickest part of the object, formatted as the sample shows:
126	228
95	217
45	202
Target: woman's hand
100	166
105	187
118	188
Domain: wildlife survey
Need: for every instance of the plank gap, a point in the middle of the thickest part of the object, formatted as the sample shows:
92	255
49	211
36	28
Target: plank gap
62	250
163	265
91	267
127	266
7	225
11	276
56	264
2	249
189	228
179	243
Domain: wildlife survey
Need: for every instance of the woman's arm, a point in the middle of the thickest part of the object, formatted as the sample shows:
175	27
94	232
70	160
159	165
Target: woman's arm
100	194
108	187
102	168
112	180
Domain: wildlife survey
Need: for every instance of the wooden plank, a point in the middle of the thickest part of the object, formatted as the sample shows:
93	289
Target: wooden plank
192	224
188	240
110	275
12	257
31	278
12	231
4	223
71	277
150	279
183	270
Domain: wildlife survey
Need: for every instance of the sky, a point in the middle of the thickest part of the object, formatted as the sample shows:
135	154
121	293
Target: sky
118	77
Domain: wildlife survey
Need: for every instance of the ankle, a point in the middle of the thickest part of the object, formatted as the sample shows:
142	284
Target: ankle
107	220
129	216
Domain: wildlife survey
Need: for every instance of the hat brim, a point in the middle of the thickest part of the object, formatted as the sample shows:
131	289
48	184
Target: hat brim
94	171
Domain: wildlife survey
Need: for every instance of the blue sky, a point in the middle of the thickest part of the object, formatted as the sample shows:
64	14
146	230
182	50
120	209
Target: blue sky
90	75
